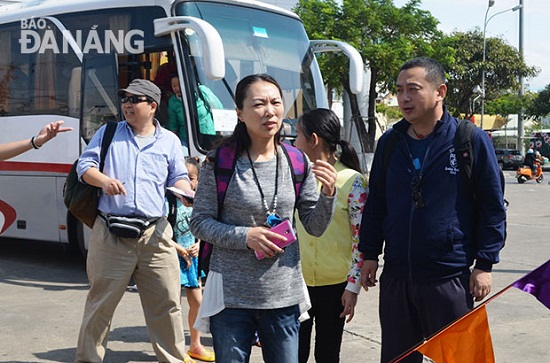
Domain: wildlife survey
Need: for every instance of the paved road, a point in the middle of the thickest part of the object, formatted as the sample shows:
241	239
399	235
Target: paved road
43	287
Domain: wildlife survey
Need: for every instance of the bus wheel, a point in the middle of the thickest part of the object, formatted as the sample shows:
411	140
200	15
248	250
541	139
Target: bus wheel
76	235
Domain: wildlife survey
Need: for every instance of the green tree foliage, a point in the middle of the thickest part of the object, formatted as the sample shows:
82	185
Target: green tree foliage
392	113
540	106
508	104
386	37
503	67
325	15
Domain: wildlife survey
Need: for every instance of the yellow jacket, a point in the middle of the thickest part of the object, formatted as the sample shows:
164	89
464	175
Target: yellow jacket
334	258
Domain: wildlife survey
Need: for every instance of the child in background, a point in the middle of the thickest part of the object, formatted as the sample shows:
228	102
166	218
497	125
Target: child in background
188	251
176	118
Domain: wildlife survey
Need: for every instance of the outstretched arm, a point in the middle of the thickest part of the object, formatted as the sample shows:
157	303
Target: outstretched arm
48	132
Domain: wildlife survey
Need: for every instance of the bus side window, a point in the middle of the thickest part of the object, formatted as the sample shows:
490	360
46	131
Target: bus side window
74	92
44	82
14	79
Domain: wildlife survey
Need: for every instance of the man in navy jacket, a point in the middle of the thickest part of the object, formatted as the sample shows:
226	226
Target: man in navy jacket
431	225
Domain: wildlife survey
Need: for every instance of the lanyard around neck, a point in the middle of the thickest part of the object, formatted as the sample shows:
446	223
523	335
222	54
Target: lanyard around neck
268	212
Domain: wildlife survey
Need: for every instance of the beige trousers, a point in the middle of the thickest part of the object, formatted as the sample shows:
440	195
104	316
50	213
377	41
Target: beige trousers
152	260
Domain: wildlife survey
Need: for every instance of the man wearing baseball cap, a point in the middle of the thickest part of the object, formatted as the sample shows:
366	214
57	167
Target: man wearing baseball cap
141	87
131	237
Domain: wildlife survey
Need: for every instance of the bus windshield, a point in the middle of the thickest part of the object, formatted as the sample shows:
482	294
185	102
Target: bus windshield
257	42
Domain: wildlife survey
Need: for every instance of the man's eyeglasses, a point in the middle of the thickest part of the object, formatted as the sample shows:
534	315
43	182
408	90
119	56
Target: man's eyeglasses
417	192
134	99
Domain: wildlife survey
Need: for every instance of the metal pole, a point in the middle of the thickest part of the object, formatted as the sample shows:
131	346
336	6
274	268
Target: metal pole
491	3
483	93
521	146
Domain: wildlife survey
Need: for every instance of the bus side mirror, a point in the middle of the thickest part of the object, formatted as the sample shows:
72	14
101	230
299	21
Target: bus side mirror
356	68
213	55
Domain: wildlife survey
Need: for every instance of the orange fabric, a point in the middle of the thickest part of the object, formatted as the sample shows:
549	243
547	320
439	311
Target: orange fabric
466	340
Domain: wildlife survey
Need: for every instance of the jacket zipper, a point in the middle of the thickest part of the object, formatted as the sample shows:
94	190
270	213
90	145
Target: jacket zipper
413	207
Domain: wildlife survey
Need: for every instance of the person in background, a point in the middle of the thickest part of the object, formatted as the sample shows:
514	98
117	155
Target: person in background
176	117
331	263
190	276
142	160
206	101
433	225
529	160
162	81
48	132
538	157
244	294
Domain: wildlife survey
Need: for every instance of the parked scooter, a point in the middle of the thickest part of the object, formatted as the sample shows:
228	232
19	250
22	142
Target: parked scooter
525	173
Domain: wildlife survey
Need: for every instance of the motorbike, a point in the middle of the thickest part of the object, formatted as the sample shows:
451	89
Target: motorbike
524	173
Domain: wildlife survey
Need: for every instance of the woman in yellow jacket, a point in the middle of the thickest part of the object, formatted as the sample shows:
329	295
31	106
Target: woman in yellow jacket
331	264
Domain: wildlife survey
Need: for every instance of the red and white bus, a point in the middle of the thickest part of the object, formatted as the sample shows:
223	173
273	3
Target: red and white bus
66	60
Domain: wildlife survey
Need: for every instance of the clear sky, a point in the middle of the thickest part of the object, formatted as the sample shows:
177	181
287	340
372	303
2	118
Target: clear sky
468	14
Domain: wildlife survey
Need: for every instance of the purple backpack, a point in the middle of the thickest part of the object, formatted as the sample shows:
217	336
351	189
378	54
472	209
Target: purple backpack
223	170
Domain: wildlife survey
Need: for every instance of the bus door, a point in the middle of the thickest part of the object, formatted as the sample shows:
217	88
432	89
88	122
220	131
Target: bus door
199	55
99	100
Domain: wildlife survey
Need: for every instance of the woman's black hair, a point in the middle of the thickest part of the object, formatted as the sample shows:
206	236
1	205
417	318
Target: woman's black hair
240	135
326	125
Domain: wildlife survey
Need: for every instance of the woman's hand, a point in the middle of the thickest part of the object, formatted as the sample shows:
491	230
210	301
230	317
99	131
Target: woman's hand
258	239
349	300
326	175
50	131
183	253
193	251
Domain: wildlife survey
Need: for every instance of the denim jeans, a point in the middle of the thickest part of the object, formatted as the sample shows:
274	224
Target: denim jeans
233	332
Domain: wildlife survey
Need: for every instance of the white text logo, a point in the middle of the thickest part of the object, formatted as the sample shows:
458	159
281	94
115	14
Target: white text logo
36	37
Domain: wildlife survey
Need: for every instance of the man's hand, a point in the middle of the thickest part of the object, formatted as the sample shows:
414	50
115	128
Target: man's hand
113	187
368	274
185	186
480	284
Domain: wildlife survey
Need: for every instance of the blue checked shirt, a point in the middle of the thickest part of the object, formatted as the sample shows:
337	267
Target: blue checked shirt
145	172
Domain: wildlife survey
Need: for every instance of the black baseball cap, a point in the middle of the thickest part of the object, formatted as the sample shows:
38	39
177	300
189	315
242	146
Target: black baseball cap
142	87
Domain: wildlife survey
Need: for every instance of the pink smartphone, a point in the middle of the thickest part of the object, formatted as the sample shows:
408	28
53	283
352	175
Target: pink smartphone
284	229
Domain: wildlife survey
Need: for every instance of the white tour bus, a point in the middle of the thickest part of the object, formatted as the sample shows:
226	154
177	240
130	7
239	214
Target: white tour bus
63	60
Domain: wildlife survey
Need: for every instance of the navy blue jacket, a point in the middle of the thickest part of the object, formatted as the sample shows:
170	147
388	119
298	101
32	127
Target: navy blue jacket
442	239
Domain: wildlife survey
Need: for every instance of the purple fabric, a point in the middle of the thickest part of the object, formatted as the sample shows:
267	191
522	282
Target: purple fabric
298	166
537	283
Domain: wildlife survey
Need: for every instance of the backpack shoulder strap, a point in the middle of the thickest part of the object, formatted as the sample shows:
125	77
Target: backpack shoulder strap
299	168
106	142
389	148
464	147
224	166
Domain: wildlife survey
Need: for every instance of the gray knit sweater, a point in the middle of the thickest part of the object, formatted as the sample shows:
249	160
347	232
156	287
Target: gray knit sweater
250	283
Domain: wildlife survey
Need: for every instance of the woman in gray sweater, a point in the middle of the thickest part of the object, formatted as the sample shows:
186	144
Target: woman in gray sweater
244	294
